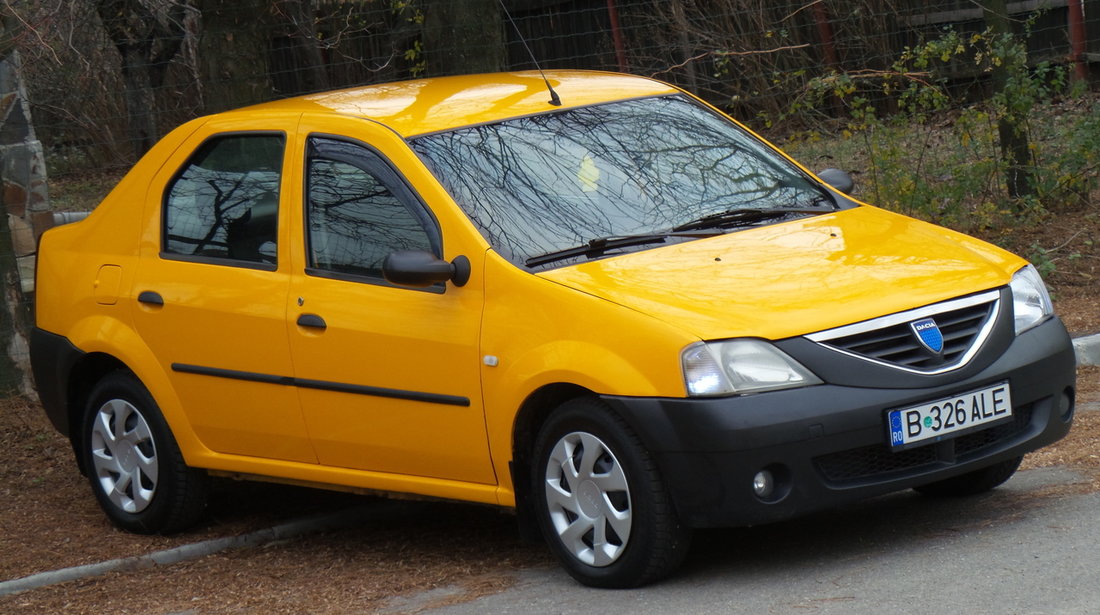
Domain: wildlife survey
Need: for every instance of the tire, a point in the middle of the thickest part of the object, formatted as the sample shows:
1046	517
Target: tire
133	463
973	483
600	502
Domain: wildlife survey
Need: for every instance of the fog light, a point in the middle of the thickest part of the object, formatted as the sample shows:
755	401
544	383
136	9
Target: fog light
1066	405
763	484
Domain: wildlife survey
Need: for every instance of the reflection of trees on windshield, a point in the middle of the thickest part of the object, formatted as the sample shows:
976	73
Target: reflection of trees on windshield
548	182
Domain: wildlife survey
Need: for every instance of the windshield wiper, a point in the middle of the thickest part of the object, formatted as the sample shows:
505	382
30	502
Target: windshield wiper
596	247
745	217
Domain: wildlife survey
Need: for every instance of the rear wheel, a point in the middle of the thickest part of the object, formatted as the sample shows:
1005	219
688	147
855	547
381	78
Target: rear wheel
973	483
601	504
133	463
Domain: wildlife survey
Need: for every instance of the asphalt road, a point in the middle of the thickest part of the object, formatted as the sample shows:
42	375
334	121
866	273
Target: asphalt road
1031	546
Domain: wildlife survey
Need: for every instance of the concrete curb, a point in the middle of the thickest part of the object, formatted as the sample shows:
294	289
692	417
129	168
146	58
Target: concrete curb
308	525
1088	349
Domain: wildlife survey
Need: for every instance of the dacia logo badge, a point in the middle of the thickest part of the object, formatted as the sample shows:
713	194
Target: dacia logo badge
928	334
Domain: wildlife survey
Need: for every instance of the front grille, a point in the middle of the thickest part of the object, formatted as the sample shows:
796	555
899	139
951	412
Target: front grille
979	440
872	461
878	462
964	325
898	344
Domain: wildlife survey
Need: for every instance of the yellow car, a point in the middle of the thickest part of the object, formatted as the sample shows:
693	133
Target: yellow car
621	314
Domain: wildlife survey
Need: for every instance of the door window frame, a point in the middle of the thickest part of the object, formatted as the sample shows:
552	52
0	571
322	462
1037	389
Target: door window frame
374	162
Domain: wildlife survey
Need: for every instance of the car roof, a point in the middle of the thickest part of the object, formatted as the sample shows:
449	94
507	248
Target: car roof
423	106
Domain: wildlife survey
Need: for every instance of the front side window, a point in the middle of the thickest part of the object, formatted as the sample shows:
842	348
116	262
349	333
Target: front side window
224	204
539	184
358	212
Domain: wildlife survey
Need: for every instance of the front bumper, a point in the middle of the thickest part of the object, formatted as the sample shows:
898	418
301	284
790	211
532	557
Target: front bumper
829	444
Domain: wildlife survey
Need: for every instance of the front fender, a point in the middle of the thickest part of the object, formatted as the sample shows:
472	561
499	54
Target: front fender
537	334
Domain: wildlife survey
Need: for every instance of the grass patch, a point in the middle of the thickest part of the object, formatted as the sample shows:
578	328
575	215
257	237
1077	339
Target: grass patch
81	192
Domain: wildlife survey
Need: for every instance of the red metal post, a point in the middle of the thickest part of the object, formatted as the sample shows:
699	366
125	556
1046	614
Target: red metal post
825	31
1076	10
616	35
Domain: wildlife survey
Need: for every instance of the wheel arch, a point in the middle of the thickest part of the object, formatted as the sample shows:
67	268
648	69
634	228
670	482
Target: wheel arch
104	345
653	542
529	419
86	372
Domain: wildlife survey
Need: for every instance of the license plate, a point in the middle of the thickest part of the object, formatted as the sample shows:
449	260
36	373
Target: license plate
963	412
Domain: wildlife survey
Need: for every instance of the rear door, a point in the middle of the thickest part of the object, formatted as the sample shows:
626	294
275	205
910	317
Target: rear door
211	289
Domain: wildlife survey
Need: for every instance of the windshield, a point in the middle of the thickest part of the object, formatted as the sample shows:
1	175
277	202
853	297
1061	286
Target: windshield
545	183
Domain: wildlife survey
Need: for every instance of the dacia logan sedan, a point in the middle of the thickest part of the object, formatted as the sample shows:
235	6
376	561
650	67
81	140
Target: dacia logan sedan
618	312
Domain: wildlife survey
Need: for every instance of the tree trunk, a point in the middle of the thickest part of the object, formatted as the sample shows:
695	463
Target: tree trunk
463	36
146	42
140	102
686	50
309	63
11	374
1011	129
233	55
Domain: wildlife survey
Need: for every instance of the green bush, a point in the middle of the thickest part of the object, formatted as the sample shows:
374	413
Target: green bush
927	153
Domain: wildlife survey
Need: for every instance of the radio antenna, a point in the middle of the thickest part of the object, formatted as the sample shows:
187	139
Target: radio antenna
554	98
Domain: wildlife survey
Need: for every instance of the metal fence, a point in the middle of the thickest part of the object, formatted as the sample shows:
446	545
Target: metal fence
102	79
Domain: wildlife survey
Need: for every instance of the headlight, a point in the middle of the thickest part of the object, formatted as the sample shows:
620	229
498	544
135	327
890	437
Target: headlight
740	366
1030	301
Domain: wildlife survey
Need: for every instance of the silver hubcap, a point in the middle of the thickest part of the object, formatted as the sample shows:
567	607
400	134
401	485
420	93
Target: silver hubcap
588	499
124	456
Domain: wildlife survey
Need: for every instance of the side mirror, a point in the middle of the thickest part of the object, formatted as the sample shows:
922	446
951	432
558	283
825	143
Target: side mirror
420	268
837	179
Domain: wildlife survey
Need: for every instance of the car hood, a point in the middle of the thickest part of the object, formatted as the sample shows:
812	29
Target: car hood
797	277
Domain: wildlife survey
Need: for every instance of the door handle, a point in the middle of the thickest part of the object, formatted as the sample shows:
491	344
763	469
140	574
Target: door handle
150	297
312	321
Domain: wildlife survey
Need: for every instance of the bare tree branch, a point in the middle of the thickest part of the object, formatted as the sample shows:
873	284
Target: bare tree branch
717	53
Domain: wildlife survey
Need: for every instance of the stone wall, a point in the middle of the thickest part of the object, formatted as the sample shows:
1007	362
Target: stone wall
25	215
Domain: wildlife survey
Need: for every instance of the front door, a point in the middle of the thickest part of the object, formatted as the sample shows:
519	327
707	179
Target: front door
388	376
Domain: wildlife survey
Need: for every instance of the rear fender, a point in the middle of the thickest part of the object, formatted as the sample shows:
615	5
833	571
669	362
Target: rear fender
104	335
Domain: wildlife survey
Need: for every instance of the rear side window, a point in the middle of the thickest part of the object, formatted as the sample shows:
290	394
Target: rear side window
224	204
358	211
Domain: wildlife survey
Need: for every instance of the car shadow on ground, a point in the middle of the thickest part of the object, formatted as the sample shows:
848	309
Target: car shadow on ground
437	529
893	522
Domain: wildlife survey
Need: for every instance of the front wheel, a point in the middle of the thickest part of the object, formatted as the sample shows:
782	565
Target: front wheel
133	463
973	483
601	504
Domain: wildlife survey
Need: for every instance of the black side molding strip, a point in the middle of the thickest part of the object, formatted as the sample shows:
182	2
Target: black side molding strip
360	389
232	374
323	385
